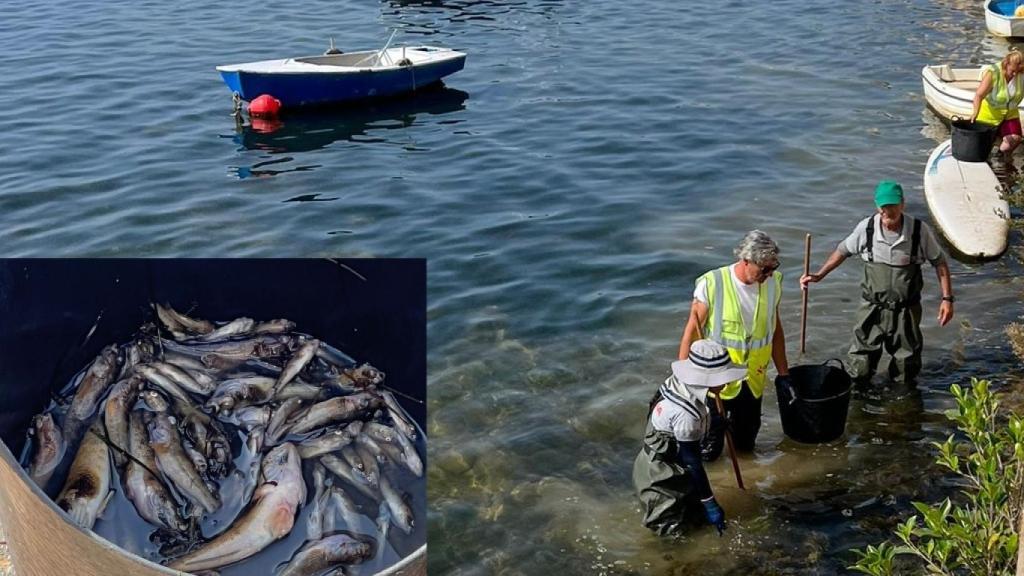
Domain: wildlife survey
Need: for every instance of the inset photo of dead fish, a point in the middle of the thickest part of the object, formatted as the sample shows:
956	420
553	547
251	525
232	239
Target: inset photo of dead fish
223	416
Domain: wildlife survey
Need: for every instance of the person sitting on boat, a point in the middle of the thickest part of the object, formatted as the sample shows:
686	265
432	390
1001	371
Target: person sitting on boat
668	473
997	99
893	246
737	306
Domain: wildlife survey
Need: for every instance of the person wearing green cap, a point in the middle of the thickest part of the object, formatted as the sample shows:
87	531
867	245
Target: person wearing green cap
893	246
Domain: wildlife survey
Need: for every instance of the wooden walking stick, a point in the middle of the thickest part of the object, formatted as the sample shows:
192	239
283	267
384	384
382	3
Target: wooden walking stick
728	434
803	313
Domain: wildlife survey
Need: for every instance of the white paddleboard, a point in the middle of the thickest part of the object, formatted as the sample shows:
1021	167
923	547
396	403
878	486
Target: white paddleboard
966	202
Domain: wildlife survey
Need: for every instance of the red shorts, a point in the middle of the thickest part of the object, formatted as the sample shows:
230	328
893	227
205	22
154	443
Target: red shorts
1010	127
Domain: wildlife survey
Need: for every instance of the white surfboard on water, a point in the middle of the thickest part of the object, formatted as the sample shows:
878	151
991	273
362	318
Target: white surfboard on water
966	202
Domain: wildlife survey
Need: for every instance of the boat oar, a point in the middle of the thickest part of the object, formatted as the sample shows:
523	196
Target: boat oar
728	433
803	312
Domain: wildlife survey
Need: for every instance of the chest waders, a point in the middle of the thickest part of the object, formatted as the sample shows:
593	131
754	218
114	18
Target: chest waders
665	488
889	317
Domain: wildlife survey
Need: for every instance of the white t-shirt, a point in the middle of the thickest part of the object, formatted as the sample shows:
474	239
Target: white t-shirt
681	422
747	294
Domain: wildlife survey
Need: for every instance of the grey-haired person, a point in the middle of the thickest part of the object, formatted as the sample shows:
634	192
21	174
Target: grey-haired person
668	473
737	306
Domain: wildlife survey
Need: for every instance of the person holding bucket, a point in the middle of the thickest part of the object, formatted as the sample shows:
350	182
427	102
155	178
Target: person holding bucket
997	99
893	246
737	306
668	473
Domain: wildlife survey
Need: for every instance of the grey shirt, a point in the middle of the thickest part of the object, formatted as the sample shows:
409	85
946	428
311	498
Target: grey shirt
890	247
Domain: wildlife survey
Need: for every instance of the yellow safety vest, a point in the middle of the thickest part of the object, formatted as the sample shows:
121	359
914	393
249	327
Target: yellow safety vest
998	105
725	325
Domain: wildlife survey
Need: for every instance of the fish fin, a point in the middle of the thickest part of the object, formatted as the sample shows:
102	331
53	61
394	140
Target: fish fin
103	505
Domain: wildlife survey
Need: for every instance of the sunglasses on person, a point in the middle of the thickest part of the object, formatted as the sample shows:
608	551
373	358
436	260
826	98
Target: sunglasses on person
766	269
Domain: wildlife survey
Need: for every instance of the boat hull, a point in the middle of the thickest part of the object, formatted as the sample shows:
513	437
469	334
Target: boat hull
946	98
1000	21
295	89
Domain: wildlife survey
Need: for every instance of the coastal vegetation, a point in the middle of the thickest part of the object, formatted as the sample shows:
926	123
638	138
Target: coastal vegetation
974	531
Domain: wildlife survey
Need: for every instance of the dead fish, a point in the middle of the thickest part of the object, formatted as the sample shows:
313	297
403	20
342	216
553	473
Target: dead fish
335	410
254	444
386	434
138	352
154	401
280	419
145	491
331	441
342	470
165	383
401	512
341	503
241	391
317	556
115	415
315	520
250	417
279	326
184	361
87	489
270	518
348	453
383	529
49	446
93	385
402	423
237	327
204	386
371	471
352	380
297	362
176	465
230	353
172	318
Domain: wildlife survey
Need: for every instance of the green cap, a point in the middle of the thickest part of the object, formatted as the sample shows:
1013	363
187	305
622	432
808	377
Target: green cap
887	193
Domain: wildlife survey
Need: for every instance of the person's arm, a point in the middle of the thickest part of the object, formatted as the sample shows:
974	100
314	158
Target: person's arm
983	89
946	284
779	348
689	458
694	326
833	262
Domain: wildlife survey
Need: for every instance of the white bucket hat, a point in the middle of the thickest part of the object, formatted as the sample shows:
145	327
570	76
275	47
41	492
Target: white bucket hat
707	366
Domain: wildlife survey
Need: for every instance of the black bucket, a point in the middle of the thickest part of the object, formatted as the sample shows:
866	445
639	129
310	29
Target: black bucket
972	141
814	409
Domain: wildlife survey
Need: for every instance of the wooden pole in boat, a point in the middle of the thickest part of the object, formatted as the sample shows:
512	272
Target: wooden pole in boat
803	313
728	433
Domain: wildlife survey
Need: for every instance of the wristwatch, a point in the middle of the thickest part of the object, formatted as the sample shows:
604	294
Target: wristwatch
949	298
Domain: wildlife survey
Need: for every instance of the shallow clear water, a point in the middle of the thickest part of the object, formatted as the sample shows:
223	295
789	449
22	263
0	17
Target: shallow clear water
591	160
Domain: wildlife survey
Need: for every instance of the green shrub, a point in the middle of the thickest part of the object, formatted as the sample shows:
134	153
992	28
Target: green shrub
977	536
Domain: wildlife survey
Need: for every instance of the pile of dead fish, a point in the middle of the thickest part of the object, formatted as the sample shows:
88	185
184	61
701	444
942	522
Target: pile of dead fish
161	410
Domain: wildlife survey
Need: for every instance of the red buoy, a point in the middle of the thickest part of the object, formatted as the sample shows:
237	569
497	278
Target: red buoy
264	106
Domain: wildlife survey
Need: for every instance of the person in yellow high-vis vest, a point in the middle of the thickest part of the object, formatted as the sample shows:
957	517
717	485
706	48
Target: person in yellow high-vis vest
997	99
737	306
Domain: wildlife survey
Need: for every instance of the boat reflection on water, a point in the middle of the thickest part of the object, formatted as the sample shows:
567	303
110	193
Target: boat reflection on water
304	131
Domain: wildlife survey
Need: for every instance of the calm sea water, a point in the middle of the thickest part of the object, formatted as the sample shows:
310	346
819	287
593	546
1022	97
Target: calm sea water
568	186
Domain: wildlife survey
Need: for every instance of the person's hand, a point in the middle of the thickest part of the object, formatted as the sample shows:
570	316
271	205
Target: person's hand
945	312
974	117
715	514
785	382
808	278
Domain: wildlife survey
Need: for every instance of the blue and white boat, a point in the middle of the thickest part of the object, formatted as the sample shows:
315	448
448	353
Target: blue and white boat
1001	18
336	78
